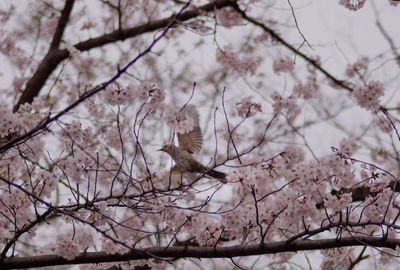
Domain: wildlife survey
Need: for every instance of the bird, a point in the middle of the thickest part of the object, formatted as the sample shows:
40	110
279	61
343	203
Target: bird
189	142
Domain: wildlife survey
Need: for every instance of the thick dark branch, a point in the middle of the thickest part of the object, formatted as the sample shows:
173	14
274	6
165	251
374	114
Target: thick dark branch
56	56
200	252
42	73
50	61
47	121
118	35
62	23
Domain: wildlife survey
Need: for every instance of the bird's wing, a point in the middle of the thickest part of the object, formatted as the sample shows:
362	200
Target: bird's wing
192	140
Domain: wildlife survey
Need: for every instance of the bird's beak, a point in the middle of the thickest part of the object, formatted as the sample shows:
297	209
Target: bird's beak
159	149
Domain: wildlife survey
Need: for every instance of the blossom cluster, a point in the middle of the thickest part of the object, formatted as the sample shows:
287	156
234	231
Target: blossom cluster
18	83
180	121
69	245
307	90
119	96
284	64
9	122
358	4
231	59
337	258
46	183
368	96
186	124
352	4
384	124
77	167
145	92
206	232
281	103
15	205
377	207
348	147
228	16
394	2
359	67
247	108
99	175
50	25
337	204
148	90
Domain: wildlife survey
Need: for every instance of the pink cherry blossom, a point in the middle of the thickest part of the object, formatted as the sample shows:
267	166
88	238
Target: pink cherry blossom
359	67
9	122
308	90
228	16
119	96
186	124
247	108
368	96
284	64
353	4
348	146
288	104
384	124
288	164
393	2
230	59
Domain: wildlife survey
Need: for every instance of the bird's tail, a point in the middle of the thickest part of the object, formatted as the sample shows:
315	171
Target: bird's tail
216	174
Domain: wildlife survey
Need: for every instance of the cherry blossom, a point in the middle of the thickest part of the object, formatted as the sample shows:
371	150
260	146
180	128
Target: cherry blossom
384	124
227	16
70	244
10	122
353	4
230	59
359	67
368	96
119	97
246	108
288	104
307	90
283	65
307	162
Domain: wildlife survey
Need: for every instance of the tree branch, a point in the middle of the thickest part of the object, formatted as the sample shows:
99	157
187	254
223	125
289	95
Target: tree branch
278	38
62	23
200	252
50	61
55	56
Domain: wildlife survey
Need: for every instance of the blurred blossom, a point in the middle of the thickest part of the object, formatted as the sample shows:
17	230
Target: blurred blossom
283	64
227	16
359	67
228	58
247	108
353	4
119	96
368	96
384	124
49	25
308	90
9	122
288	104
348	147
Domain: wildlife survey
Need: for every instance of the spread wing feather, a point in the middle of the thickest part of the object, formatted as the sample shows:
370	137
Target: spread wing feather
192	140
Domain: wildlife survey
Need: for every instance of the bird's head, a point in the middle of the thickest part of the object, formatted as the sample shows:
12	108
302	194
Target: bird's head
166	148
